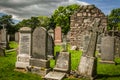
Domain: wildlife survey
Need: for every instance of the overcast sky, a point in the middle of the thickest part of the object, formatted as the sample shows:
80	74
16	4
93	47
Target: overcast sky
21	9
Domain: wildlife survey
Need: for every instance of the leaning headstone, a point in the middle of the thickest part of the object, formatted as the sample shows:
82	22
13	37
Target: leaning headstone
107	49
50	46
24	51
61	68
88	63
86	40
58	36
38	62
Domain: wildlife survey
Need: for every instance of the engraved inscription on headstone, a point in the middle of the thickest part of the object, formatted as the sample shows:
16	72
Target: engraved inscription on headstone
25	43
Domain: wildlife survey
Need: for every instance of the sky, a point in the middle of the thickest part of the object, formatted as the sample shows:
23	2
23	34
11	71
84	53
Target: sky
22	9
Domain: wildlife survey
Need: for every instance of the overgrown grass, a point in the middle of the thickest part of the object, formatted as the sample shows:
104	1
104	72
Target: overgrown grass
7	66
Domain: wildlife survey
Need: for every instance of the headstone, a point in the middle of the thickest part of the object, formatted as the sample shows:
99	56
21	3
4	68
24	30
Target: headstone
17	36
24	48
3	38
39	52
58	36
108	49
63	62
88	63
51	32
62	67
50	51
117	46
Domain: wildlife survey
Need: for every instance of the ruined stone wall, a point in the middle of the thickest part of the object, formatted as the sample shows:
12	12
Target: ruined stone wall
81	21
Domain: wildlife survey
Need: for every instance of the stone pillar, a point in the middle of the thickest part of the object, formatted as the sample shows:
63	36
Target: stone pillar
24	48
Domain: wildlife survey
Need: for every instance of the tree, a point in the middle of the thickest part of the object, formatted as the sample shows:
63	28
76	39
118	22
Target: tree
114	19
44	21
61	16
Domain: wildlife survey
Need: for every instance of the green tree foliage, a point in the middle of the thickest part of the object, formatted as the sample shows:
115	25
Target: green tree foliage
34	22
6	22
61	16
114	19
44	21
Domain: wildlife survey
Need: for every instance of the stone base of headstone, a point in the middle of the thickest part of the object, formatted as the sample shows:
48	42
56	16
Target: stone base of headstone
87	67
55	76
22	61
40	70
107	62
40	63
58	42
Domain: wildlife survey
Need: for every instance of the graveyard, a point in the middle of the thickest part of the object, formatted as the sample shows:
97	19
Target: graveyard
89	52
7	66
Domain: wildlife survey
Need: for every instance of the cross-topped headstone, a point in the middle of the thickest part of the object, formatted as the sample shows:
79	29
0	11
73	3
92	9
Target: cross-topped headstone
88	62
92	44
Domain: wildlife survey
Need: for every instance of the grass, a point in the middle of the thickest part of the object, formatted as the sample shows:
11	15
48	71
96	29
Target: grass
7	66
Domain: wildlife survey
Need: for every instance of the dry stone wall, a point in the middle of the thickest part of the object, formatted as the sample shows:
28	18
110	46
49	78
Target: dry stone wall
81	21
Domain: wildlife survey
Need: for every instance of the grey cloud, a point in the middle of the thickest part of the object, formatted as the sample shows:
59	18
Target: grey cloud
21	9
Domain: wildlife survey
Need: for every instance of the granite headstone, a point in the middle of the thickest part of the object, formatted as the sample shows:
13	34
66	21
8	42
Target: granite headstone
108	49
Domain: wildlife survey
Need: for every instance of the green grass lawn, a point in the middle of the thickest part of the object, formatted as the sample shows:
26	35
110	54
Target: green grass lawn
7	66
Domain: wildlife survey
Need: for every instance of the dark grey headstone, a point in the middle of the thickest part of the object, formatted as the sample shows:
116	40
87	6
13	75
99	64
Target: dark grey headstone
39	48
50	46
63	62
107	48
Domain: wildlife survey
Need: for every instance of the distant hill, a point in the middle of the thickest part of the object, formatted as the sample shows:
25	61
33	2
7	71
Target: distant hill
14	20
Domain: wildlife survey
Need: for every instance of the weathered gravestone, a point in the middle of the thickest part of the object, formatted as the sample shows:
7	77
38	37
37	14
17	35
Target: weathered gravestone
62	67
3	42
50	46
38	62
58	36
88	62
17	36
107	49
24	48
117	46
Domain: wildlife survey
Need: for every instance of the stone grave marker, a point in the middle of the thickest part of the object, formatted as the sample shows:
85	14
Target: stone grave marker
3	38
88	63
86	40
107	49
62	67
17	36
50	46
58	36
24	48
39	52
